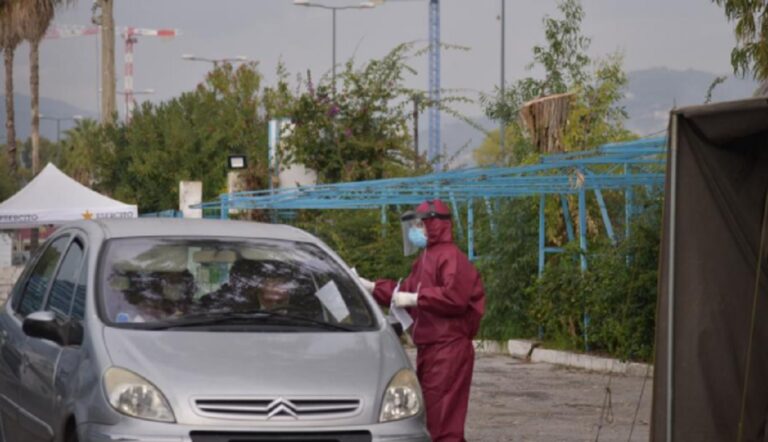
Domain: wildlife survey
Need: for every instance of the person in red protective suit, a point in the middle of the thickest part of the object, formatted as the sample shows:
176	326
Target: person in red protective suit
445	296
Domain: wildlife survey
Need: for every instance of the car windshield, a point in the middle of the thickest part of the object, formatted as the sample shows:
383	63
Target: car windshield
146	282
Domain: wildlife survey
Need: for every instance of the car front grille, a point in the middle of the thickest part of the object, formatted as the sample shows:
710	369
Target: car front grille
268	409
349	436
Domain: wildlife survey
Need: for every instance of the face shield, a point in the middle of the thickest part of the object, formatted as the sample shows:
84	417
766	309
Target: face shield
407	221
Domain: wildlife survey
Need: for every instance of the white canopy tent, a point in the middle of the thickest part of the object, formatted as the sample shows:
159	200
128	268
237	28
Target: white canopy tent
52	197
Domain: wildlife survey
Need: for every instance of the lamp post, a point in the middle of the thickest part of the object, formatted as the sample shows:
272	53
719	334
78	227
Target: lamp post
216	61
333	9
129	103
58	121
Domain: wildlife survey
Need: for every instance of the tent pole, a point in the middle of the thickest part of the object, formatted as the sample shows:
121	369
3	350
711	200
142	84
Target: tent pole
671	275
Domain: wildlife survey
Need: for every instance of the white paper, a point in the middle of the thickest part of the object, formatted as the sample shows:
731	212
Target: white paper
400	314
331	298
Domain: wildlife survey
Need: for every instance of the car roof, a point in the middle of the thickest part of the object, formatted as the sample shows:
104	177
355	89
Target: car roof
169	227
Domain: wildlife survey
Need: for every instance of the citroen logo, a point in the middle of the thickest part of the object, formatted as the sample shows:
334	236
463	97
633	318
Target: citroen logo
281	407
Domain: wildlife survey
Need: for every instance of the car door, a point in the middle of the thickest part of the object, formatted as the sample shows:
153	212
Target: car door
11	343
31	299
37	384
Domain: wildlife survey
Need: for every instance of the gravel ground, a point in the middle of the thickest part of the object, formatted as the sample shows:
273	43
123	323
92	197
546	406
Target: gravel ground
513	400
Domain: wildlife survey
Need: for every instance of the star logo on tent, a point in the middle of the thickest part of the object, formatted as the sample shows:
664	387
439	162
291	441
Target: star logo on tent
87	215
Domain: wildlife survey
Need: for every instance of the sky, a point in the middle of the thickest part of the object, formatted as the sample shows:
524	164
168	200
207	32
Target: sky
677	34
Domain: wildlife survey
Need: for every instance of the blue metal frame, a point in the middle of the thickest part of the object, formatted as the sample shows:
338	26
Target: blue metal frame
604	168
618	166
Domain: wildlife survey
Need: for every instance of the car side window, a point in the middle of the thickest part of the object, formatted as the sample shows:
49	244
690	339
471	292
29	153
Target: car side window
64	285
37	283
78	303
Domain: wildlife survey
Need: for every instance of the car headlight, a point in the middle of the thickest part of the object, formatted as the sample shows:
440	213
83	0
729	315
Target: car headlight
135	396
402	398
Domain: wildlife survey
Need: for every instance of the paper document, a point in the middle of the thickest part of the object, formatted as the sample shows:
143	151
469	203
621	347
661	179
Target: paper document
331	299
401	315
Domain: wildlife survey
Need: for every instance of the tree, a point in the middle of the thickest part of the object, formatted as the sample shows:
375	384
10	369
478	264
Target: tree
594	117
185	138
9	41
361	132
84	149
33	23
751	51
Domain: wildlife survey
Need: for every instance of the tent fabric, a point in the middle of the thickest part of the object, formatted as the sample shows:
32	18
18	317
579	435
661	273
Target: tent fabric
717	175
52	197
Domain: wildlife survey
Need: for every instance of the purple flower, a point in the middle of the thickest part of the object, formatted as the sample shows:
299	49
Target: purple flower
347	132
333	111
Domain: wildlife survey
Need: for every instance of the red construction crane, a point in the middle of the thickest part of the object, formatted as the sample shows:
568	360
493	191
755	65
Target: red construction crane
129	36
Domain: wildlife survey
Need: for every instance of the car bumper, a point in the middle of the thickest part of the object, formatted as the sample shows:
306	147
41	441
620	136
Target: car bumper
132	430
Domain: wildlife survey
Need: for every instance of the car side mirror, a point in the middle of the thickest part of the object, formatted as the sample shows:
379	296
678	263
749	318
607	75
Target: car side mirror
42	325
396	325
45	325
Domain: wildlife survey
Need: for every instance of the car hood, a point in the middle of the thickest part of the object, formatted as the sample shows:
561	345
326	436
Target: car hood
189	365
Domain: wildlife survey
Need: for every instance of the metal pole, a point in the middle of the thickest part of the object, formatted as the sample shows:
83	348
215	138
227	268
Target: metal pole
671	275
58	141
433	154
583	247
502	126
470	230
333	68
416	129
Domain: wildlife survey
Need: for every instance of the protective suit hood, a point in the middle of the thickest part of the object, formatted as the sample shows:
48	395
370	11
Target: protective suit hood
437	222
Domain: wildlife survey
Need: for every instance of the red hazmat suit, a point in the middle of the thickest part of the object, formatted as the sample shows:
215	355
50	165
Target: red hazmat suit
451	302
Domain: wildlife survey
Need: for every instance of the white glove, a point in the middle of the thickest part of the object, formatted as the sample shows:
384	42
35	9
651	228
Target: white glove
367	284
405	299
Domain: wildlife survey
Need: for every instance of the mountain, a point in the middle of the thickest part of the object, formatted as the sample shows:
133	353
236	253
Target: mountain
651	93
48	108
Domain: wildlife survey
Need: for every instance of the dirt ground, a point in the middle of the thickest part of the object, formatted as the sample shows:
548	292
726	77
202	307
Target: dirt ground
517	401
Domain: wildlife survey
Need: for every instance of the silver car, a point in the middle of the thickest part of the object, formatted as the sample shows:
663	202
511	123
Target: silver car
203	331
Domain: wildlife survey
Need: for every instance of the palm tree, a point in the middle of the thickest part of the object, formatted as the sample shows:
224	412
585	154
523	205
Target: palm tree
9	41
82	151
34	19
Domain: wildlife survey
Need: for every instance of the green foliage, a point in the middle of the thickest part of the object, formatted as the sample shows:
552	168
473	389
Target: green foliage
360	131
618	292
83	149
564	58
751	51
358	236
508	262
595	117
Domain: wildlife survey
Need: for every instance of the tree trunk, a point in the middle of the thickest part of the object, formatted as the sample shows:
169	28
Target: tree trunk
34	86
10	125
108	96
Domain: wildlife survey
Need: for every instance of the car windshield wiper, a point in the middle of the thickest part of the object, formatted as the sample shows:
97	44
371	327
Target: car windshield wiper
216	318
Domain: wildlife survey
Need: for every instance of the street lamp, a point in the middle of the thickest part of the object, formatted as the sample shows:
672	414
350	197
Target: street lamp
130	101
58	121
333	9
216	61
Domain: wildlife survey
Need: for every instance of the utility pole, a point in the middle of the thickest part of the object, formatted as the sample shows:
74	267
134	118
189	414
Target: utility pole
433	154
503	125
106	20
416	129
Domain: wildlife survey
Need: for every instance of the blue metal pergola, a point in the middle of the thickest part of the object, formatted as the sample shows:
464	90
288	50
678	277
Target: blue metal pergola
618	167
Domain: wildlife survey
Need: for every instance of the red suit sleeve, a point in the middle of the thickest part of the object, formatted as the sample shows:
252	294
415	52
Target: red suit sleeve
451	297
383	291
